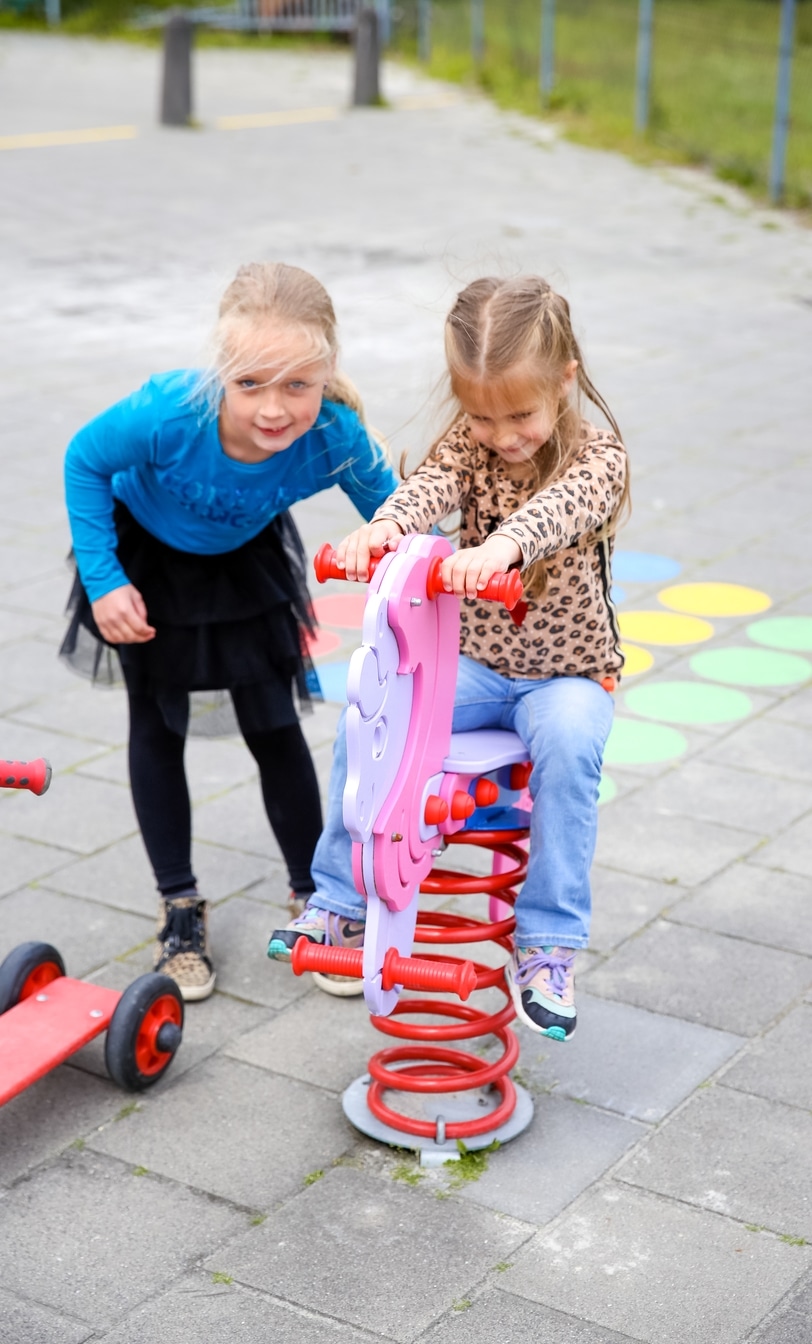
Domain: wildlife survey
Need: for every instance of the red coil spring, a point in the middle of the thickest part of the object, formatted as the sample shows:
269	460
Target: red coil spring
440	1069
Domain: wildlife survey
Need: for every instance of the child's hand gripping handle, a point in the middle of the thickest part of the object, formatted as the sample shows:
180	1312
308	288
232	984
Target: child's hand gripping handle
411	972
32	775
504	588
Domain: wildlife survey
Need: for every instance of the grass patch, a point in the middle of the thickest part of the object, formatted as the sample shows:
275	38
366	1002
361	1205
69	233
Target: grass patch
219	1277
470	1165
312	1177
713	82
409	1173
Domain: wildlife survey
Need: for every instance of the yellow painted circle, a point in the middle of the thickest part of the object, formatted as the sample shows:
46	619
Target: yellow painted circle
661	627
714	599
637	660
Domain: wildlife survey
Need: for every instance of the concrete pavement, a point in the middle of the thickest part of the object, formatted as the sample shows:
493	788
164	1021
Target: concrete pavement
664	1189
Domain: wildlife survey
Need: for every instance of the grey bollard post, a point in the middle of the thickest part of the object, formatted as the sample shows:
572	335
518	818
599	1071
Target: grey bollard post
176	93
367	91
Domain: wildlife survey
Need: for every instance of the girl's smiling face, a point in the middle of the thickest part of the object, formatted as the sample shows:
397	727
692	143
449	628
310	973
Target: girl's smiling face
516	416
275	395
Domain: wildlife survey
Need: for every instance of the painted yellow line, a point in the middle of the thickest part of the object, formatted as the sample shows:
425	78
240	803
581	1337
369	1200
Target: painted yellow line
419	102
44	139
291	118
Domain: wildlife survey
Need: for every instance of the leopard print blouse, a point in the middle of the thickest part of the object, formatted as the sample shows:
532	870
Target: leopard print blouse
572	629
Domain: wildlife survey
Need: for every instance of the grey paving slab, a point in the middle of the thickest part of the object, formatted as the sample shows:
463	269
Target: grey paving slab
734	798
319	1038
625	1059
240	931
701	976
85	933
237	820
81	710
120	875
83	816
713	1155
789	1327
357	1218
22	742
791	851
646	841
57	1111
20	625
771	747
778	1065
69	1231
23	1322
567	1147
660	1272
24	861
748	901
498	1315
271	1133
196	1311
622	903
795	708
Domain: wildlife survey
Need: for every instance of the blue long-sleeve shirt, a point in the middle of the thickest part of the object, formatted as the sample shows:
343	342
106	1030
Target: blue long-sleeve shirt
160	453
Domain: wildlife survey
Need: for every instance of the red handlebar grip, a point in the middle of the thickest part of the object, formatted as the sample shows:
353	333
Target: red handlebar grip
326	568
307	956
32	775
417	973
504	588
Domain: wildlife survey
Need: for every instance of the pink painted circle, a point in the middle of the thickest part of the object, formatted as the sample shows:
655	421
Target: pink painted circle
325	641
345	610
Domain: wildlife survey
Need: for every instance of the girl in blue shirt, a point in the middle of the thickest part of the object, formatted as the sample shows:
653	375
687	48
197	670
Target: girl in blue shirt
191	571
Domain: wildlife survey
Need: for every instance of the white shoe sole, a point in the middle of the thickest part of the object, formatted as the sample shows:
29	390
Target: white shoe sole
341	987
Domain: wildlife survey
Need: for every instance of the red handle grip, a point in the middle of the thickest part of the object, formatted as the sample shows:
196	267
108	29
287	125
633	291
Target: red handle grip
504	588
411	972
32	775
326	567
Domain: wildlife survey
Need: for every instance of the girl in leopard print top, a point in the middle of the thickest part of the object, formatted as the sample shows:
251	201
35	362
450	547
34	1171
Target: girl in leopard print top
538	488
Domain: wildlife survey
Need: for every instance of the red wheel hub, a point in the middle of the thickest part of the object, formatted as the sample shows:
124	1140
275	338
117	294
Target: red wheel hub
148	1058
41	976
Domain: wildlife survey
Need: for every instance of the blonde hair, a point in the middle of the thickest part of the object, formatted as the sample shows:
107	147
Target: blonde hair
498	328
264	292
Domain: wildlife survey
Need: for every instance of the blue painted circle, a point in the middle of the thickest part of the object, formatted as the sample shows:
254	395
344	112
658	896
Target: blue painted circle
644	567
333	681
618	595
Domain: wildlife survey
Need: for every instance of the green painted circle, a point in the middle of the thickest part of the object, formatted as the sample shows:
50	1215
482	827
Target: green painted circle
607	790
633	743
783	632
688	702
751	667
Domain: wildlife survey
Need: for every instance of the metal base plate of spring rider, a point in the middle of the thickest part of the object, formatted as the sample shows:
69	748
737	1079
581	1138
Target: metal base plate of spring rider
411	787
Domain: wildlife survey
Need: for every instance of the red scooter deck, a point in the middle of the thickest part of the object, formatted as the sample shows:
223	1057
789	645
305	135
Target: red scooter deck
47	1027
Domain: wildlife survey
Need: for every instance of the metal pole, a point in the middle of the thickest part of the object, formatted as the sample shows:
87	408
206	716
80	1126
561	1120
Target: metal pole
176	93
778	162
367	91
477	31
547	56
424	31
643	89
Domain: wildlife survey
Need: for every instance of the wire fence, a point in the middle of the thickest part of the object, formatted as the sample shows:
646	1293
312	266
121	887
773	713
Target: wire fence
700	80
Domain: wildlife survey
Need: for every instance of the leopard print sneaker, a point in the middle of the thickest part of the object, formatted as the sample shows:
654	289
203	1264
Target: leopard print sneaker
182	950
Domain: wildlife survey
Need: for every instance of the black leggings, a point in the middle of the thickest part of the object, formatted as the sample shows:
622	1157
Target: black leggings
160	793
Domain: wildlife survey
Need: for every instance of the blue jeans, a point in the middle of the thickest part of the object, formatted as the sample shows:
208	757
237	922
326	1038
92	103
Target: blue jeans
564	723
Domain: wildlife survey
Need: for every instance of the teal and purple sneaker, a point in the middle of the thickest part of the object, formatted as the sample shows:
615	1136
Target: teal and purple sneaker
542	986
330	930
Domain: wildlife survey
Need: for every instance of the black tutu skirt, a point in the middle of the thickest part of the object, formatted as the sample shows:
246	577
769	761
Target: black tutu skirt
237	619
